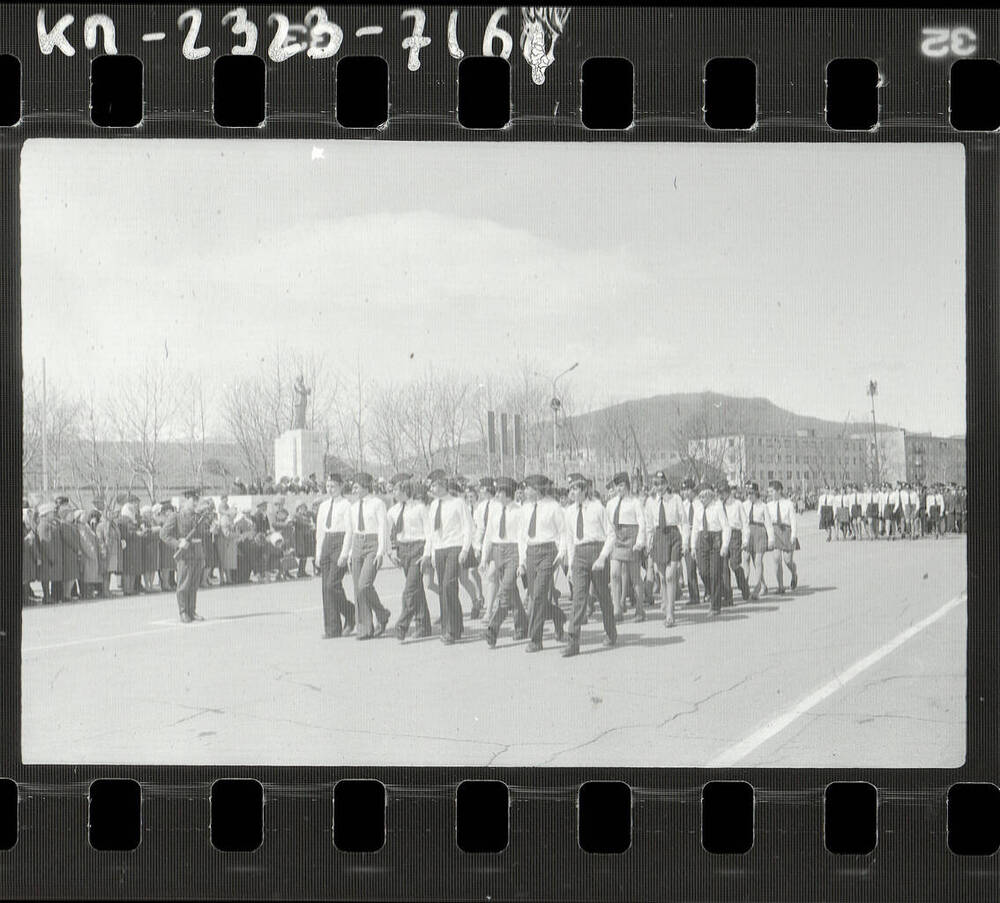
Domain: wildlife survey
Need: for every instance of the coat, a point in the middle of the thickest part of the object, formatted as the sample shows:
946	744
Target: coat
50	538
71	551
131	557
110	539
90	555
176	527
32	555
305	536
151	548
226	541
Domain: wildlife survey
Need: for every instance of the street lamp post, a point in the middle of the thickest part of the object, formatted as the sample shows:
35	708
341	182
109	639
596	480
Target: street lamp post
556	404
872	392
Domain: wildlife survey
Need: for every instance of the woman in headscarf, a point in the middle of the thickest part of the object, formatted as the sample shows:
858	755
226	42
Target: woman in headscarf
131	543
226	541
110	539
31	556
90	554
70	553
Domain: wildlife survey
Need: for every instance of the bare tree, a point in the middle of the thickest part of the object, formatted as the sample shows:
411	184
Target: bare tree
248	417
193	417
97	463
141	411
61	433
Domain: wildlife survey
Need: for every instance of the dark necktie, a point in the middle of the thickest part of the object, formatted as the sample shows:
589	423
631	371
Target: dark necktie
579	521
437	516
329	515
399	520
361	515
531	523
503	522
663	517
751	512
618	510
777	505
691	513
704	518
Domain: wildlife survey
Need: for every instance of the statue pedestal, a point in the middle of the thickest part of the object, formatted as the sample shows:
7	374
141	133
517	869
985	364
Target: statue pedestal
298	453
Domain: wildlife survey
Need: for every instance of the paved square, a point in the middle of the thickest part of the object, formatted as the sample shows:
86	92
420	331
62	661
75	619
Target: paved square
863	666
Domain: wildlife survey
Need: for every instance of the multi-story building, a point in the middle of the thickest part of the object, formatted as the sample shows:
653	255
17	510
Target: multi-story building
805	460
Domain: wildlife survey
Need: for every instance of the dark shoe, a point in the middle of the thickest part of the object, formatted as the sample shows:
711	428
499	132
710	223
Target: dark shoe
781	591
383	619
349	629
533	647
572	649
560	631
610	641
400	634
795	579
640	615
669	621
491	639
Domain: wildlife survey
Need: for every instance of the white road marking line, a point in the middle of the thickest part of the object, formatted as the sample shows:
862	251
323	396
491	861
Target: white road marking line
167	626
746	746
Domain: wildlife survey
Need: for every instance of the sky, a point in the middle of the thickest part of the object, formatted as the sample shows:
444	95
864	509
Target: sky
793	272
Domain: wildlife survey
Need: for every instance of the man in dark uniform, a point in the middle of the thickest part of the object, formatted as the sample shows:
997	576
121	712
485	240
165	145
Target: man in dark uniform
180	532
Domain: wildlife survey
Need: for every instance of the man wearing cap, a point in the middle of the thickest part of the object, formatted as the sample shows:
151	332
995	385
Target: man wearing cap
739	527
711	534
468	575
501	555
542	547
180	532
629	523
667	537
50	552
407	520
590	539
366	548
449	541
487	506
71	552
689	563
785	525
333	526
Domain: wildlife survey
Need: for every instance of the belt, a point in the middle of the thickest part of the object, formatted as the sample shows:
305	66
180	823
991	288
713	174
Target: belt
588	542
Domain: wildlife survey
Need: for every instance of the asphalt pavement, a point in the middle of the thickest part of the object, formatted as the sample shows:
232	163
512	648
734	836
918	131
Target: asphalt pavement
862	666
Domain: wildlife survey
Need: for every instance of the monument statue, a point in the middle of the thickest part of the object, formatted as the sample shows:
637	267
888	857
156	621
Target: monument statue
301	400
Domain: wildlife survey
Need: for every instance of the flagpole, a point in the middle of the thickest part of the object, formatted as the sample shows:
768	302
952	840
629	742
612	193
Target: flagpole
45	441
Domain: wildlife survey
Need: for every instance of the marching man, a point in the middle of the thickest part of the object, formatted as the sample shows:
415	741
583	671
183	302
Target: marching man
785	527
333	530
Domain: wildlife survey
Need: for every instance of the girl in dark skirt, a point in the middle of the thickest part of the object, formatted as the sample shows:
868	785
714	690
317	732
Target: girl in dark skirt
826	513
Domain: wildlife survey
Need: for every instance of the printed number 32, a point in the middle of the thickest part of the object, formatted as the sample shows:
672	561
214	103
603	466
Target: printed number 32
942	41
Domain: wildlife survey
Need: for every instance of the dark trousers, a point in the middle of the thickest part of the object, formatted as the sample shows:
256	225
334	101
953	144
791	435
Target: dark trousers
539	566
189	572
584	578
733	565
414	599
447	566
335	603
710	564
363	570
692	572
505	557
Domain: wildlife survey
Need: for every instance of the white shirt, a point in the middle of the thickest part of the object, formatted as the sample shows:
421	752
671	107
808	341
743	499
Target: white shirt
456	525
736	514
935	499
787	510
711	517
375	523
340	521
414	520
596	527
883	499
757	512
484	510
511	517
550	525
823	501
864	500
850	499
837	500
894	498
630	512
674	513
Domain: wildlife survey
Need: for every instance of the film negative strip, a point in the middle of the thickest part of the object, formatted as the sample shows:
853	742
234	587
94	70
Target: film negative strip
670	333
